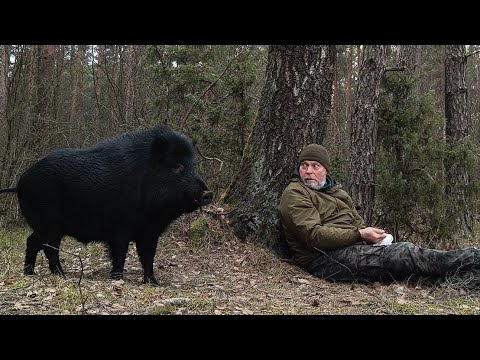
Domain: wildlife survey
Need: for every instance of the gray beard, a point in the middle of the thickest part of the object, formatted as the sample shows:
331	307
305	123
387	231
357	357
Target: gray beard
317	186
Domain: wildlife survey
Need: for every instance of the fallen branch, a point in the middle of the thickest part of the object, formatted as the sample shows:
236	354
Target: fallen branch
210	211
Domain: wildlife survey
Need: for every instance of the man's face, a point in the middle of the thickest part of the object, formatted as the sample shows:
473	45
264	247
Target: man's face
313	174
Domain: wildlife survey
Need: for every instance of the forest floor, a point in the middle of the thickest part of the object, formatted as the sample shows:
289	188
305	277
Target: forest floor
211	274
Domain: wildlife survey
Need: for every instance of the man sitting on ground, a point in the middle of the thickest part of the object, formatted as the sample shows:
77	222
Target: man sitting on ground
329	238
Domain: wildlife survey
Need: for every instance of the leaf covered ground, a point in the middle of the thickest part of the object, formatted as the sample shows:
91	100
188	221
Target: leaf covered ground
203	269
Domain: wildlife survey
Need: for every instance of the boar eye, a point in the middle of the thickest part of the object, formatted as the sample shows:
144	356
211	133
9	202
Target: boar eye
178	168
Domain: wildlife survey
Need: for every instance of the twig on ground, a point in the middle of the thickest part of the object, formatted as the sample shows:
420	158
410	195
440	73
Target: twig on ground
82	298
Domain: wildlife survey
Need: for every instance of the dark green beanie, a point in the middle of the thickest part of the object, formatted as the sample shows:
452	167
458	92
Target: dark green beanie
315	152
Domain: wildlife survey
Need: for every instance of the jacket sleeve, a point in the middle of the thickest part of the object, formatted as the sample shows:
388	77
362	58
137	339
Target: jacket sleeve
303	219
358	219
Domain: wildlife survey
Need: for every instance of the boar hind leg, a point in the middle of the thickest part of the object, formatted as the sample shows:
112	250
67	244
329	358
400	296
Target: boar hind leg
50	244
51	249
34	245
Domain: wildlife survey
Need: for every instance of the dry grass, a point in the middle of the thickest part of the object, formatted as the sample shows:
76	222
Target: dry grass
203	271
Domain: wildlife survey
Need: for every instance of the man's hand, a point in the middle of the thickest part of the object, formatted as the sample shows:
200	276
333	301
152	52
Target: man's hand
372	235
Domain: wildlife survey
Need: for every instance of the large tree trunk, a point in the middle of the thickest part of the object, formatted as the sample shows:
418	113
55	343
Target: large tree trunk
456	130
294	107
4	143
363	130
334	125
45	84
477	78
4	61
348	84
407	55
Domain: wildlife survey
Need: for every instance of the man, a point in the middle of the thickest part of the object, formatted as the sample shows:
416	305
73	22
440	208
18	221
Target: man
329	239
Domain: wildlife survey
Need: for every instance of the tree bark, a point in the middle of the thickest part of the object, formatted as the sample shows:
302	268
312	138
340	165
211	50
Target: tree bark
456	130
4	59
100	117
45	84
294	108
363	130
130	83
407	59
76	105
348	84
336	137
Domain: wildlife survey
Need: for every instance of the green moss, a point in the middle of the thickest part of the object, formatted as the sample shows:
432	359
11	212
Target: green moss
163	310
402	309
198	305
464	307
68	299
13	238
96	250
198	231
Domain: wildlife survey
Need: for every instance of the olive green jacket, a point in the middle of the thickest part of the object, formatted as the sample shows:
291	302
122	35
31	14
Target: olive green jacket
315	220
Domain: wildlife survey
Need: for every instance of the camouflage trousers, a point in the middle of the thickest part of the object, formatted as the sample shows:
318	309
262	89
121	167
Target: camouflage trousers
396	262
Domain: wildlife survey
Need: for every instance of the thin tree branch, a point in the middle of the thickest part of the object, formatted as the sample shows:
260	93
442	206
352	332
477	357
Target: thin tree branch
82	298
187	114
209	158
424	171
472	53
395	68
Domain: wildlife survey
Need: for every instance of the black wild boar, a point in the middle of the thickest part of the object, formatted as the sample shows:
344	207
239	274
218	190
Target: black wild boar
129	188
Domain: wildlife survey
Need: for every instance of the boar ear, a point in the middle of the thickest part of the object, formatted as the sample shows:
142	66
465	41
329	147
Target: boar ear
159	149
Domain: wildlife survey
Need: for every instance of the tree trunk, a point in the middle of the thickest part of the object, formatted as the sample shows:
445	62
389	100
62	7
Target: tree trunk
76	105
45	84
130	83
456	130
4	59
406	57
100	118
336	137
41	100
60	98
294	107
359	57
475	108
477	79
348	84
363	130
